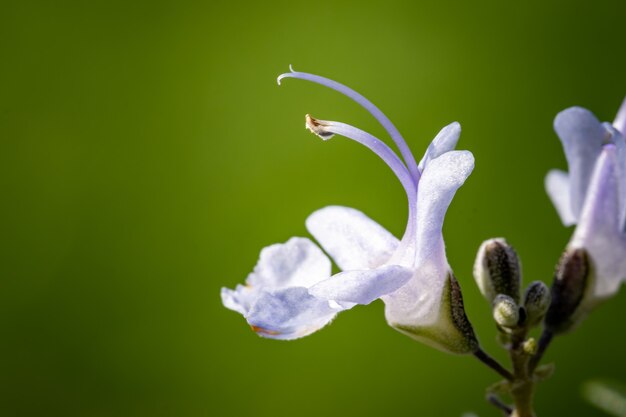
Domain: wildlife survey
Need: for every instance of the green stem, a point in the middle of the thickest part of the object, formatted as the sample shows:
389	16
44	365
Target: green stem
495	401
493	364
523	385
523	392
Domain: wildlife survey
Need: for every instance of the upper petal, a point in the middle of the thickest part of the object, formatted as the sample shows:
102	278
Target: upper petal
599	230
620	119
362	287
418	302
558	188
298	262
289	313
351	238
440	181
445	141
582	136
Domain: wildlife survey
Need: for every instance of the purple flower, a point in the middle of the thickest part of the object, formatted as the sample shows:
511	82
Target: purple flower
592	195
291	292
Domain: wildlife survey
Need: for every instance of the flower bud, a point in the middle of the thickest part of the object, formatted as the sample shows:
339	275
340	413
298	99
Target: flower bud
568	290
497	270
536	302
530	346
506	312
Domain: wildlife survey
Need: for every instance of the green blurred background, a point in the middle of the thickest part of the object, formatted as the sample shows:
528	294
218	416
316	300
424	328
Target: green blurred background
147	155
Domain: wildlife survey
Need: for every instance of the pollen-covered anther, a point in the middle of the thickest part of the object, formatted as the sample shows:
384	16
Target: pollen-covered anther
318	127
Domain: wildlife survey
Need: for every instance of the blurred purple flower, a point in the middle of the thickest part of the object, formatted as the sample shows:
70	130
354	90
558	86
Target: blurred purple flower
592	195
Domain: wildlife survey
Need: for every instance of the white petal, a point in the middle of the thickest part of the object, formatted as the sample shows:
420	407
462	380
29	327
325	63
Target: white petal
614	136
599	230
298	262
240	299
439	182
289	314
582	136
620	148
362	287
418	302
445	141
351	238
620	119
558	188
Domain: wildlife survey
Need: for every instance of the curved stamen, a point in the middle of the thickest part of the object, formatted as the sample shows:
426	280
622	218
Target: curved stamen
327	129
369	106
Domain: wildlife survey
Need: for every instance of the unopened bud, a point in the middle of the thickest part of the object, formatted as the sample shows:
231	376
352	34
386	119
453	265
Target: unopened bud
497	270
568	289
506	312
530	346
536	302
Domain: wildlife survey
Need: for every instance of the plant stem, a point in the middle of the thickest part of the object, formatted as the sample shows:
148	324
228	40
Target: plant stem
523	392
523	385
494	400
493	364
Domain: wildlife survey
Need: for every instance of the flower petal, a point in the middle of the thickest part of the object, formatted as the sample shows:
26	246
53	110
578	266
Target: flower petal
289	313
352	239
240	299
558	188
619	140
418	302
582	136
362	287
599	231
445	141
440	180
298	262
620	119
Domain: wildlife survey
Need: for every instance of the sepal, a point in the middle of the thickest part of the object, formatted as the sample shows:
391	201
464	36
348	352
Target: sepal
571	283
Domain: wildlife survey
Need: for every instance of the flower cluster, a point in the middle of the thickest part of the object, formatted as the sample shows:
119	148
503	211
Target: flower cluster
292	292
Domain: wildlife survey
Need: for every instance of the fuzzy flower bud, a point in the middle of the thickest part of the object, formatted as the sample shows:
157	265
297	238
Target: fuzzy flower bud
568	290
536	302
506	312
497	270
